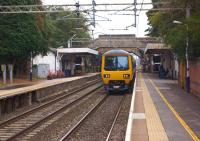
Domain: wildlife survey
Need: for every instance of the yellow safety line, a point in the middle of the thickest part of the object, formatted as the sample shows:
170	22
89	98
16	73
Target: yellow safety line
183	123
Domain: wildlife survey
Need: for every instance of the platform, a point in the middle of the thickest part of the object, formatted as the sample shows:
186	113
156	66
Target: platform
161	111
40	85
15	98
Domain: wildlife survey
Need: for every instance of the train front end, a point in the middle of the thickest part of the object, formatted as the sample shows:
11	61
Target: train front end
117	71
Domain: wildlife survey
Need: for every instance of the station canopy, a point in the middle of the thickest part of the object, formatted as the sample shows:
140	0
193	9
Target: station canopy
155	48
77	51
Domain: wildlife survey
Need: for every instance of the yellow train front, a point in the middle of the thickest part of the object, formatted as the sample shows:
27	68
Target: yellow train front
117	70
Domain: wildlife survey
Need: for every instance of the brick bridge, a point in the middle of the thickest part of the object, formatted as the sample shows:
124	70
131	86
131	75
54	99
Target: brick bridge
126	42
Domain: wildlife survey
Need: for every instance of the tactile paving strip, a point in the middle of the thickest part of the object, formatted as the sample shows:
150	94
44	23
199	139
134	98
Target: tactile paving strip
155	128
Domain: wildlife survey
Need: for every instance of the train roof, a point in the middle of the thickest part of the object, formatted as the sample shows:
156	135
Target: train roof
111	52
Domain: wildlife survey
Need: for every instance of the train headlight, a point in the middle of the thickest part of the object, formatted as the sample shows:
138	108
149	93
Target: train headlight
106	75
126	76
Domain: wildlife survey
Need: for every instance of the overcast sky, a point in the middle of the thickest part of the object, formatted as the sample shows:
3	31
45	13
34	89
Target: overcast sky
118	21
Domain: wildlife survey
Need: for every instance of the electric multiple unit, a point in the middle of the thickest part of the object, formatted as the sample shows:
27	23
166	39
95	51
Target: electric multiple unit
117	70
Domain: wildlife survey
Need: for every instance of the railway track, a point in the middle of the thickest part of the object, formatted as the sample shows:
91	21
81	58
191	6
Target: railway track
115	119
82	120
91	113
22	124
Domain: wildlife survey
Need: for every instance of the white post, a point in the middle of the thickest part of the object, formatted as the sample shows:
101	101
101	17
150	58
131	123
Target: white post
3	69
69	44
93	38
83	64
31	68
10	68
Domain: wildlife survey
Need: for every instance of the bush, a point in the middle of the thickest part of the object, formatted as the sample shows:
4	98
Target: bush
53	75
60	74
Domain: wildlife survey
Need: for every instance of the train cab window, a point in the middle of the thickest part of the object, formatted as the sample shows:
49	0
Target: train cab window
116	63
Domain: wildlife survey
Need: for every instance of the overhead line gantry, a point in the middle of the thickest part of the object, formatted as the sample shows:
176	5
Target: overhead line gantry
11	9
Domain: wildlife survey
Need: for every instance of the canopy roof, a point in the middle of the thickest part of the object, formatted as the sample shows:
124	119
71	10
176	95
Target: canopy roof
77	51
156	48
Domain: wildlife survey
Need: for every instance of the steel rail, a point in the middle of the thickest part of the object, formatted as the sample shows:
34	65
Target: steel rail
115	119
47	104
83	119
45	119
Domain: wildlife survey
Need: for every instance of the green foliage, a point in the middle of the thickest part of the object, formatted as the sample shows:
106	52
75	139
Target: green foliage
62	26
161	25
21	34
194	34
176	38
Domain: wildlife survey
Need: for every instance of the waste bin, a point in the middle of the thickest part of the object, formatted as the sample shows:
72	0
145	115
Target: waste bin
67	73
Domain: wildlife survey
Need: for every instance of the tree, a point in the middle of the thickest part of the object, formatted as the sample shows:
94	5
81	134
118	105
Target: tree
62	26
161	25
21	34
24	34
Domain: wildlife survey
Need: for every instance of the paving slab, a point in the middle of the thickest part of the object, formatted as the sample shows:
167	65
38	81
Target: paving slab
144	122
184	125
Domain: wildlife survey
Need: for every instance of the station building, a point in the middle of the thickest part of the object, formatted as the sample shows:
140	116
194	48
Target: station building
160	56
71	61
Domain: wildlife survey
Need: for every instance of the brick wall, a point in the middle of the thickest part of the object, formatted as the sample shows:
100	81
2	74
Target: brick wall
195	76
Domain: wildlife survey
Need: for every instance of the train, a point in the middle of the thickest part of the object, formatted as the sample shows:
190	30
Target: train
118	70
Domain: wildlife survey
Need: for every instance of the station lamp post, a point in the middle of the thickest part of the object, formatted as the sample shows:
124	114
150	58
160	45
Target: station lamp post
93	39
186	56
70	41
